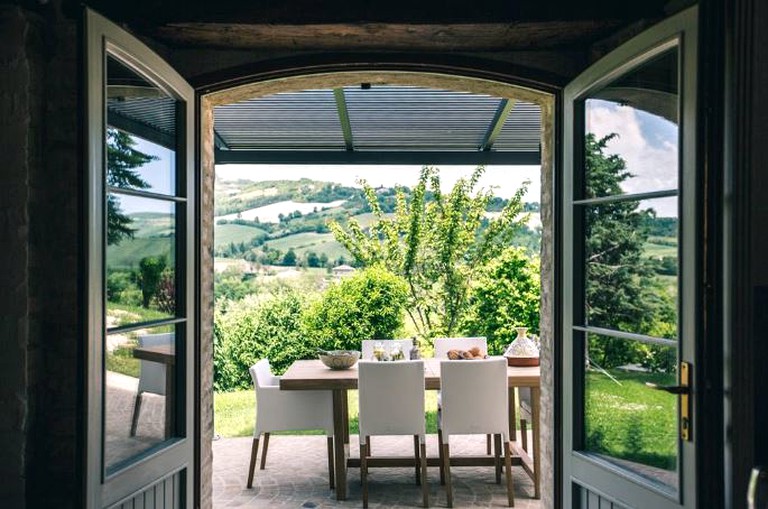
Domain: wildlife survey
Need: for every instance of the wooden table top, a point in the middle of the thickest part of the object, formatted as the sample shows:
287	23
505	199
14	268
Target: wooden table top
314	375
164	354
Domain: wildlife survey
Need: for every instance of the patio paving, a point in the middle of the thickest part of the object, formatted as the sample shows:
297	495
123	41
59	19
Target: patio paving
296	476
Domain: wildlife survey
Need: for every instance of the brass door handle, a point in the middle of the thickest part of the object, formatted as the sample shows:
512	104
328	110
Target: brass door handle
672	389
684	392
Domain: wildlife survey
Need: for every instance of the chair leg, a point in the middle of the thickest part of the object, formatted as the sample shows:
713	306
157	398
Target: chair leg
488	445
364	474
440	454
424	483
254	455
331	480
524	433
497	455
264	451
418	460
447	469
367	445
508	468
136	411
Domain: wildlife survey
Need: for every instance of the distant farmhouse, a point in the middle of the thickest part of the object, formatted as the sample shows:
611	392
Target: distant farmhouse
342	271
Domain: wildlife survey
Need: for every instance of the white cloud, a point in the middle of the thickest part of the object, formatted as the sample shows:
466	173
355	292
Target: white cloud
644	141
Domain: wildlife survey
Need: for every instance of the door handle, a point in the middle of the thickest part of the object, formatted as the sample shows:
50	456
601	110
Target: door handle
684	391
672	389
757	493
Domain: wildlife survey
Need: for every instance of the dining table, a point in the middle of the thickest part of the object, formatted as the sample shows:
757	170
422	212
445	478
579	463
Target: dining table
314	375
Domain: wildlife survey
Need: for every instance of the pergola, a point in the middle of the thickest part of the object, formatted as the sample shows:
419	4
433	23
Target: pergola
365	124
378	125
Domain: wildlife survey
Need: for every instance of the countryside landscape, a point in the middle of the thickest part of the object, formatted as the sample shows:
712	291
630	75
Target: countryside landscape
280	247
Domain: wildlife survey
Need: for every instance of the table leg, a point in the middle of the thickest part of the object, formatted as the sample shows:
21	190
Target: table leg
345	414
512	415
339	449
170	404
536	418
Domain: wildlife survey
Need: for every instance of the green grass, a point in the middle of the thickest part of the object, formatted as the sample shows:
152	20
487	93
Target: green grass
659	250
234	413
631	421
224	234
311	241
129	252
124	314
121	360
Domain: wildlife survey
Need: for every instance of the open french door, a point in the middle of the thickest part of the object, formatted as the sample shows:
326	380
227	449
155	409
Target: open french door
629	281
140	192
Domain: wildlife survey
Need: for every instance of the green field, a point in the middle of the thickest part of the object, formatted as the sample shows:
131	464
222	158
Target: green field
129	252
631	421
152	224
311	241
658	247
224	234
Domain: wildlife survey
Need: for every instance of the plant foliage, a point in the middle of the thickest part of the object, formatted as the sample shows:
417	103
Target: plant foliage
435	242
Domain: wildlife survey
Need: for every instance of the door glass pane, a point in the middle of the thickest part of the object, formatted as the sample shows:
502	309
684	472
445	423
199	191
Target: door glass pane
631	266
634	120
626	421
139	392
141	132
141	259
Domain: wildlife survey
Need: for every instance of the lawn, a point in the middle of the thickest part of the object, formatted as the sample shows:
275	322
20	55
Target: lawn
631	421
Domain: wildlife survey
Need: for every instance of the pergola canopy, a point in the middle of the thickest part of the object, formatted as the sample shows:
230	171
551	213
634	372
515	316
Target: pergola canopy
378	125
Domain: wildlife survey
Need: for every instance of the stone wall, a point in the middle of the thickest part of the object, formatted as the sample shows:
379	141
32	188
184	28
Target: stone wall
39	230
548	297
56	312
17	118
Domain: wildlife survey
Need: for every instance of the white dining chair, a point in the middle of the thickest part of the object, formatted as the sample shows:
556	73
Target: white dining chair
367	346
151	374
442	346
475	401
287	411
391	402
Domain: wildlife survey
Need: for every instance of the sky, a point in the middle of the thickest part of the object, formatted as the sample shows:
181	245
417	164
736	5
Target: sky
647	143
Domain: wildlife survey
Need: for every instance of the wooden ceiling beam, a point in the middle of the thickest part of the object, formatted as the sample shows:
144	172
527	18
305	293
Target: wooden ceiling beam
389	36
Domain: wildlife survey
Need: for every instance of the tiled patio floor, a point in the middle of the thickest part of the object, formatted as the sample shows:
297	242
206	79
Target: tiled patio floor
297	477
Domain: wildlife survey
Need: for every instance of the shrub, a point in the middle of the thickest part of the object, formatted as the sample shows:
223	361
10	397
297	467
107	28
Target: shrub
253	329
505	296
367	305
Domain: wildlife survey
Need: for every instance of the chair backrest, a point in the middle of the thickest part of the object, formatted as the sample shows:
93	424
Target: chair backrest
474	396
152	374
367	347
391	398
261	374
442	345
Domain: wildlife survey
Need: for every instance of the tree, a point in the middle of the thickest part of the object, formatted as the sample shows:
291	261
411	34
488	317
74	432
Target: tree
150	271
290	258
435	242
366	305
122	160
506	295
620	288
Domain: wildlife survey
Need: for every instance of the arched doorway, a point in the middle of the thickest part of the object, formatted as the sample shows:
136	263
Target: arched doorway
290	78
